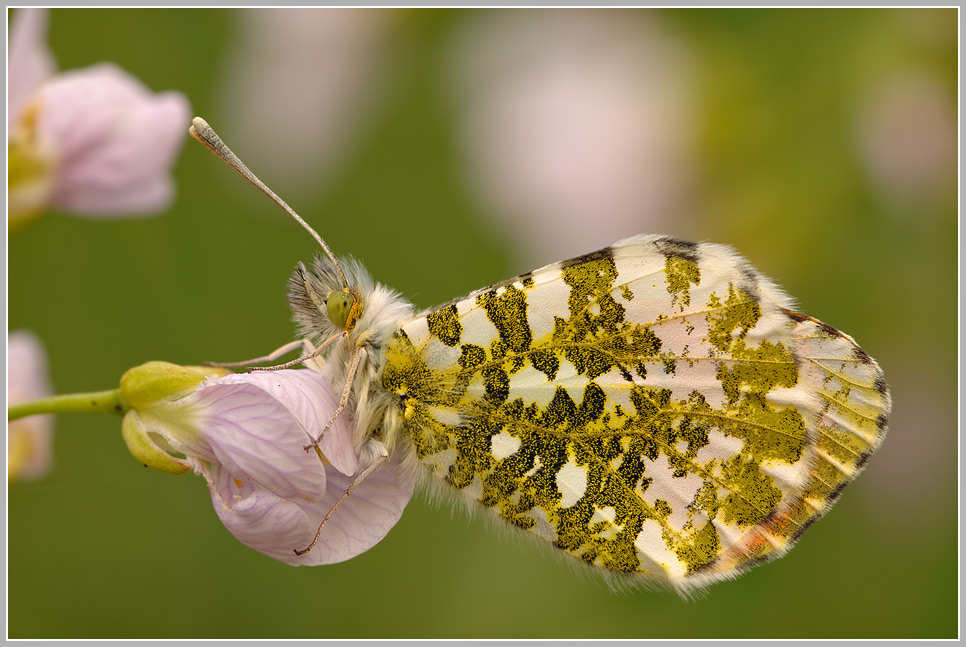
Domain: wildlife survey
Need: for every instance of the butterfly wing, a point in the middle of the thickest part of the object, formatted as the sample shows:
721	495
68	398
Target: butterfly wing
655	408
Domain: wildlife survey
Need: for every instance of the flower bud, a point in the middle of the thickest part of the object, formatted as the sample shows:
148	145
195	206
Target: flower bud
160	414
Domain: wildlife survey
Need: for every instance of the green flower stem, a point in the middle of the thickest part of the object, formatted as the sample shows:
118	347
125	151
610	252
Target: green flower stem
97	402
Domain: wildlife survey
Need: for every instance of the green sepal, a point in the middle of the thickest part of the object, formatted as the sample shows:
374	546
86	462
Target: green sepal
142	447
153	383
153	390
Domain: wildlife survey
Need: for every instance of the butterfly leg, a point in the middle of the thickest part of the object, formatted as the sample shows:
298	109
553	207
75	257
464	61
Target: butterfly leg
381	455
344	400
275	354
304	358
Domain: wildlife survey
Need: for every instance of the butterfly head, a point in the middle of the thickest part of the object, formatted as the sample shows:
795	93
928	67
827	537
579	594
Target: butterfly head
322	305
343	309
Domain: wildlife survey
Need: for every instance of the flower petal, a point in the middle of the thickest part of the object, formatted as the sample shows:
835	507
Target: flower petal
259	519
277	527
115	141
312	401
259	423
29	61
366	516
258	441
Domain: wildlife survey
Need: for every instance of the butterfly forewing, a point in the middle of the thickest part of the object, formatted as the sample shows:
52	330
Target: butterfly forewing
656	408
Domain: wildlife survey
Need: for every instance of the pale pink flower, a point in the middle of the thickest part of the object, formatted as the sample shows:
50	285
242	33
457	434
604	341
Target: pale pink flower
29	440
29	61
907	139
246	434
93	141
576	125
307	128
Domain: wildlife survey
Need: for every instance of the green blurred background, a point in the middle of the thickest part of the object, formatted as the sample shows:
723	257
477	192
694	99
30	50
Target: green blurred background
104	548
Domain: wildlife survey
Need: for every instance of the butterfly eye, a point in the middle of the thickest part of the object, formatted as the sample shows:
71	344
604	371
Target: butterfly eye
339	305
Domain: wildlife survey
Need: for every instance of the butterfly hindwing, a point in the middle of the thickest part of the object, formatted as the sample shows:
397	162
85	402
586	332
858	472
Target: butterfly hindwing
655	408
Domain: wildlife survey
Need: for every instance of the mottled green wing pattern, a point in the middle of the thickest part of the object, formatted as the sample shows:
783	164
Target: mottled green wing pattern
655	408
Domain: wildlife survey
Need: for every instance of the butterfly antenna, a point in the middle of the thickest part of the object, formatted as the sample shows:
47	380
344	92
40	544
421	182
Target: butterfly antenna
202	132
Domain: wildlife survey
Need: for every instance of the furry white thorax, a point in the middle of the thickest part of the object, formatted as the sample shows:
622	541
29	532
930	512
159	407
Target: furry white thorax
371	409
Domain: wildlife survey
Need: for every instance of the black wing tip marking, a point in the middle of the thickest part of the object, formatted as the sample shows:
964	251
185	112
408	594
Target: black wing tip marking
835	332
863	459
863	357
836	493
601	254
881	386
678	248
882	421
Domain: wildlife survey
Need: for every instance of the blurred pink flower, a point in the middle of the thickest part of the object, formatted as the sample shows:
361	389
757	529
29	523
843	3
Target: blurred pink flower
29	440
906	130
246	432
29	61
576	125
301	84
93	141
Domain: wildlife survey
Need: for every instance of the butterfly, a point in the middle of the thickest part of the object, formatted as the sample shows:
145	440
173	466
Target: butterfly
657	410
